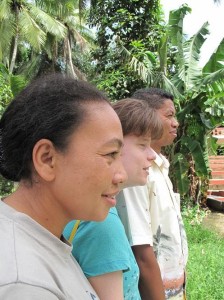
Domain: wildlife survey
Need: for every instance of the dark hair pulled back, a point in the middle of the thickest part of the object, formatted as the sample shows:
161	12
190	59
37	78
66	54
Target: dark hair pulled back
51	107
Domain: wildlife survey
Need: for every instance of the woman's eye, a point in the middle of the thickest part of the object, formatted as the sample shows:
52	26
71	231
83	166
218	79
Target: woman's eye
113	154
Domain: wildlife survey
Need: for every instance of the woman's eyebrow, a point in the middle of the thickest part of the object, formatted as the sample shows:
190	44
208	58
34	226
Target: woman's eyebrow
115	142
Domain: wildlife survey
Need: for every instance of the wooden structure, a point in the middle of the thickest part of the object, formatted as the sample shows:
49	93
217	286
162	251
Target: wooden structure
215	198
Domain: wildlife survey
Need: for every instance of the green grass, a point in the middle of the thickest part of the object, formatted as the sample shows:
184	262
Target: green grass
205	268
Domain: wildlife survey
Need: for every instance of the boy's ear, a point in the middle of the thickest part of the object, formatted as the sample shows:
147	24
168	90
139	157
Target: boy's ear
44	158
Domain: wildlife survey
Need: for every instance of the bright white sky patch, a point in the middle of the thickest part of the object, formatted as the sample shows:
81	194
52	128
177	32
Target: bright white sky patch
202	11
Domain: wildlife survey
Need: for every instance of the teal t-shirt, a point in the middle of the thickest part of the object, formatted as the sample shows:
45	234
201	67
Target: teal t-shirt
102	247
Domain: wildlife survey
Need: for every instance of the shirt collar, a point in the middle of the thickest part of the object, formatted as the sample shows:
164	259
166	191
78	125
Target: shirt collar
161	161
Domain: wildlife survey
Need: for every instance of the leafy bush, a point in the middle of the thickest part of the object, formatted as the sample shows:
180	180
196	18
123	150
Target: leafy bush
5	97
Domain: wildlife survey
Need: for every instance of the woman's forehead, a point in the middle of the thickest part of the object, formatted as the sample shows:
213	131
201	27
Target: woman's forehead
101	120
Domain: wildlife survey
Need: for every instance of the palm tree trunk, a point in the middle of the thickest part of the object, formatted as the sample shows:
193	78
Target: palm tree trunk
14	53
69	55
15	46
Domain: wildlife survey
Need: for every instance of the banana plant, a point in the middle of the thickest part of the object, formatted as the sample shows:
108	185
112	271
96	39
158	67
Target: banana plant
198	87
196	90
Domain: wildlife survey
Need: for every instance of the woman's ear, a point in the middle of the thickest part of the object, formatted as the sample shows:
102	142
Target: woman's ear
44	158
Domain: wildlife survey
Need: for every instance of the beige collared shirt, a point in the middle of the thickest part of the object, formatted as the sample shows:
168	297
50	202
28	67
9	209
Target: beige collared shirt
151	215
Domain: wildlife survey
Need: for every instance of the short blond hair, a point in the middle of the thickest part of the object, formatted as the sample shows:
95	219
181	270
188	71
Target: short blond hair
138	118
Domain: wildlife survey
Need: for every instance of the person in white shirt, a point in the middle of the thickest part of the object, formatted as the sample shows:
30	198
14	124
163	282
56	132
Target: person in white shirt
61	140
151	214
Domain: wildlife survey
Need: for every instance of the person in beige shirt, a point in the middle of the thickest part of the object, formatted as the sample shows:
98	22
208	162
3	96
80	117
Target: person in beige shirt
151	214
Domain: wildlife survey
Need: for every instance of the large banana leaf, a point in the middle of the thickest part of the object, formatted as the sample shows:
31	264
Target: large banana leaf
175	22
191	51
197	153
162	51
161	80
213	77
176	38
189	71
216	61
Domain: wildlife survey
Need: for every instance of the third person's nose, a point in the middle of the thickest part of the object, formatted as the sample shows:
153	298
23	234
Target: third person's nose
151	154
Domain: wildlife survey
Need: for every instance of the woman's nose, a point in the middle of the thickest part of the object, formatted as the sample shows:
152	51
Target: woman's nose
121	175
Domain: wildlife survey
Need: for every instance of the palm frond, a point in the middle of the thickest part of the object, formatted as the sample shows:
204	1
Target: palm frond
30	30
59	8
17	84
7	31
50	46
49	23
143	69
5	10
83	35
82	7
29	69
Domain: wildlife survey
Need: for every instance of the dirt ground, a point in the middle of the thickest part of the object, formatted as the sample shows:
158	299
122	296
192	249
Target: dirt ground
215	221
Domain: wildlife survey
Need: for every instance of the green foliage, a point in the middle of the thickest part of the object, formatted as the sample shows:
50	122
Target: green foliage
6	186
198	99
38	37
220	150
129	20
117	84
137	26
5	94
114	84
193	215
5	97
194	111
24	22
205	263
13	84
180	165
174	67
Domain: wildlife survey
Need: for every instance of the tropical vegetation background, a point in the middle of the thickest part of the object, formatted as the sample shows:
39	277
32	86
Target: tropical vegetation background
121	46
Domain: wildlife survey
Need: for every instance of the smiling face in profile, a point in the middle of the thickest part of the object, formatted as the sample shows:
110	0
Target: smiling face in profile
88	174
137	156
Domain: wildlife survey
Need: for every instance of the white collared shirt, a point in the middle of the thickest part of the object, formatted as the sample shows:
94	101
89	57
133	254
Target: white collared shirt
151	215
